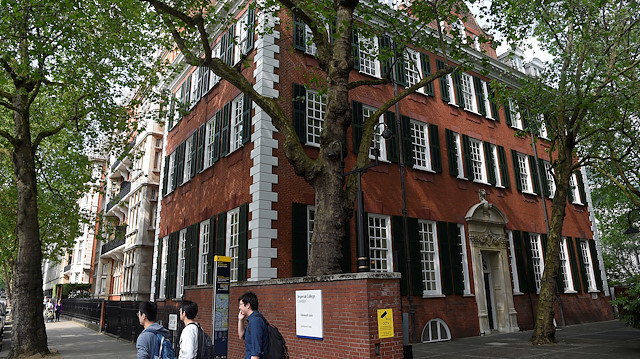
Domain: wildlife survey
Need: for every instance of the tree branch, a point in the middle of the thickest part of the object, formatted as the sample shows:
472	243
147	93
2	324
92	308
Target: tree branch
8	136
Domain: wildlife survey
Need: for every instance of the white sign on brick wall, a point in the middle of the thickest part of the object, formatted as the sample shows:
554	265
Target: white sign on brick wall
309	314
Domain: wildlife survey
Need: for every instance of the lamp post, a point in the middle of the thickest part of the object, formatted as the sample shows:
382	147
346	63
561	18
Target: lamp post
363	247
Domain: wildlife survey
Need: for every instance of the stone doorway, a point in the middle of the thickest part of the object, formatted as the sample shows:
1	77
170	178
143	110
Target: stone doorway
490	263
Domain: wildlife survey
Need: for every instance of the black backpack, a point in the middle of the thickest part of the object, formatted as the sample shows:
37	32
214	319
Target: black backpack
205	344
277	346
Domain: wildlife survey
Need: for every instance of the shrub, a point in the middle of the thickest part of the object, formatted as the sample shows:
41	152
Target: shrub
628	303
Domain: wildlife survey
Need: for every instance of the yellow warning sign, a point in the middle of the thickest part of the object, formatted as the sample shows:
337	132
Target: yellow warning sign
385	323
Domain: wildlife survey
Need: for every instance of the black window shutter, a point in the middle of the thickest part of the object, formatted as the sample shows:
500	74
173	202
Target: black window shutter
180	163
401	70
385	48
426	72
158	267
204	86
573	261
452	152
202	133
583	194
480	95
534	174
199	87
246	118
299	231
193	257
595	263
223	47
516	170
230	44
217	126
398	245
165	178
570	195
357	122
456	258
172	109
225	131
172	265
445	258
434	146
495	114
491	165
521	262
251	19
392	143
457	84
355	48
444	85
212	249
466	153
407	140
526	241
300	111
504	169
507	113
221	234
174	169
186	97
543	180
299	34
194	154
243	241
416	257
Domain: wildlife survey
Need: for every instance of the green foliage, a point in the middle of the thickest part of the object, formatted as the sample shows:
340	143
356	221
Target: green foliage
628	303
76	290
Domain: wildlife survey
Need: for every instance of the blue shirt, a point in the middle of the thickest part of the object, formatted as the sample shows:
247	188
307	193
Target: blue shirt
256	337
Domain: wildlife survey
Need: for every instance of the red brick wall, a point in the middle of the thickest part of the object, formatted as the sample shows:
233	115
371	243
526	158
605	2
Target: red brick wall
350	304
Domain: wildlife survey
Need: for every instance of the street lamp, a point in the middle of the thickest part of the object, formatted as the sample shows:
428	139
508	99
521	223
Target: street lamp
363	247
631	231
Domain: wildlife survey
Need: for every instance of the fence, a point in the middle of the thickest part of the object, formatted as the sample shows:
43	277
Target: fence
85	309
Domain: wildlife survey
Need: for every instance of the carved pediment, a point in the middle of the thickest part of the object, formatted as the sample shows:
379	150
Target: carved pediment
489	240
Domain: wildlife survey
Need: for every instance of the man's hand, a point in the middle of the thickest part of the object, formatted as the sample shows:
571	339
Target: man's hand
241	315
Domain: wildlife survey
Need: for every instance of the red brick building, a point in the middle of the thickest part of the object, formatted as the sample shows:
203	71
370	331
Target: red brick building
476	193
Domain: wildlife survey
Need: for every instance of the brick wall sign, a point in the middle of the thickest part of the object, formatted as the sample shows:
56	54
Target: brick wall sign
385	323
309	314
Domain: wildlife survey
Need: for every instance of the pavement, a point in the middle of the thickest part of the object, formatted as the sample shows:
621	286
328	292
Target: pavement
609	339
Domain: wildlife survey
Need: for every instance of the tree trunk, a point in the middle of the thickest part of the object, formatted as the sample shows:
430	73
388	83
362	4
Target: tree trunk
28	335
544	331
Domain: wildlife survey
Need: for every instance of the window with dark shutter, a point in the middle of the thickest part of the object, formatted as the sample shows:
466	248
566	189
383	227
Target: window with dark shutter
387	62
194	154
434	147
217	128
534	174
426	72
251	20
158	266
519	245
457	84
225	131
452	152
172	265
212	249
299	239
180	163
491	165
355	49
445	258
504	170
544	181
243	240
299	34
414	251
392	143
516	170
246	119
595	263
165	177
466	154
407	140
583	194
401	70
480	95
221	234
357	122
444	83
573	261
495	114
300	111
231	34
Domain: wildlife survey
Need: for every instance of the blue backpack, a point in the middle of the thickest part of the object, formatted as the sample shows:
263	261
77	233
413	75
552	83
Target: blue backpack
165	348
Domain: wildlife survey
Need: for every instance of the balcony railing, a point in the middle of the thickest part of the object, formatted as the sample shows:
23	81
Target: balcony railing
111	245
125	187
67	267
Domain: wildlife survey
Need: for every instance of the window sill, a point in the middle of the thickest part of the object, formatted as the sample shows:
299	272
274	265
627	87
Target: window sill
570	292
424	169
518	293
427	296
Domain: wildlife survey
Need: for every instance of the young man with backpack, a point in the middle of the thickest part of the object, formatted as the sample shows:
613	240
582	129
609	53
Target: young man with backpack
255	334
154	337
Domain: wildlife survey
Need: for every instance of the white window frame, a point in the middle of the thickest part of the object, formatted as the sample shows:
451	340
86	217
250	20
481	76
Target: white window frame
316	107
478	162
452	91
429	258
496	169
413	69
537	258
514	265
377	137
188	160
369	62
543	128
163	267
203	251
236	123
487	102
573	187
468	93
585	251
311	215
565	267
551	182
310	46
241	34
213	78
465	259
380	246
193	97
421	146
525	174
182	248
209	142
172	174
516	117
232	242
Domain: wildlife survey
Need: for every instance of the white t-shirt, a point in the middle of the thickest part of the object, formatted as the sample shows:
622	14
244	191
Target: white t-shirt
189	342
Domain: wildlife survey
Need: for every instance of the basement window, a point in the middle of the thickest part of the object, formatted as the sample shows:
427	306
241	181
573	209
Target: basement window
436	330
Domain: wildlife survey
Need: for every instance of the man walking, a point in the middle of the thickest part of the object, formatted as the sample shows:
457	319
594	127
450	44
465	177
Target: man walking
147	344
255	335
189	337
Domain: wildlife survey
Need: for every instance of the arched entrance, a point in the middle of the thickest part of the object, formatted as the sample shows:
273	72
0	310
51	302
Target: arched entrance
490	263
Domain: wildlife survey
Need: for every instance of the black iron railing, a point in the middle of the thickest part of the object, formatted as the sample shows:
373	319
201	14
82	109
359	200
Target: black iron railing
86	309
125	188
111	245
67	268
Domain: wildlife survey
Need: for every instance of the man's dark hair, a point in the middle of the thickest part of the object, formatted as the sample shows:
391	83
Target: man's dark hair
250	298
150	309
189	308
